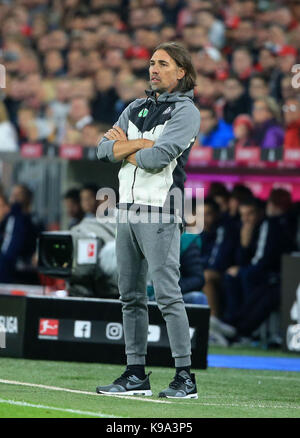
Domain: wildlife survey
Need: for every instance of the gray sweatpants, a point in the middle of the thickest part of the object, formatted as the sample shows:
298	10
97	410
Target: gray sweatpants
153	246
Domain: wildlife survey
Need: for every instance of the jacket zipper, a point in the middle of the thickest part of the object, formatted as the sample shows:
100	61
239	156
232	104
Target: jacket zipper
133	184
135	170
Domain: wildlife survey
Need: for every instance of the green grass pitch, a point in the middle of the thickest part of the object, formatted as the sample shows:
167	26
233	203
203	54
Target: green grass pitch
223	392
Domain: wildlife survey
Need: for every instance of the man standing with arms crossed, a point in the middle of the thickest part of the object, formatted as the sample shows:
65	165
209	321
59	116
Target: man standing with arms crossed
153	138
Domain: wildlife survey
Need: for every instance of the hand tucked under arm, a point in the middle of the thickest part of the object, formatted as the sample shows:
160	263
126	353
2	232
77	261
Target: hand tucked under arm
146	144
123	147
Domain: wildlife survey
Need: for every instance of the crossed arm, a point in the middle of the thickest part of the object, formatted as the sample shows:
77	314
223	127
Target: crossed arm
124	148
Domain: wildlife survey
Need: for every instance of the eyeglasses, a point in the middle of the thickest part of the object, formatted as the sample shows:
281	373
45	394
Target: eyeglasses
292	108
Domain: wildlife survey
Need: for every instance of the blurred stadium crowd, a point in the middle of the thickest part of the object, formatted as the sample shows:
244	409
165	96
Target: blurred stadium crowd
73	66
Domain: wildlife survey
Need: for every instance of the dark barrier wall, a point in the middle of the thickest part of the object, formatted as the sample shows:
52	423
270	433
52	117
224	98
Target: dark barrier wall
90	330
290	302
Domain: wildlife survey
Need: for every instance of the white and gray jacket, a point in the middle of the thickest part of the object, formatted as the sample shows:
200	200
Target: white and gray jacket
172	121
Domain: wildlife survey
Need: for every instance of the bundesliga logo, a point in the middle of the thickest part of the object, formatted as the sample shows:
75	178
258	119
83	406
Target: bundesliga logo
48	327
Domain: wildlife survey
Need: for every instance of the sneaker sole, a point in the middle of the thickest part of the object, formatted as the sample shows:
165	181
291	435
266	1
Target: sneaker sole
146	393
189	396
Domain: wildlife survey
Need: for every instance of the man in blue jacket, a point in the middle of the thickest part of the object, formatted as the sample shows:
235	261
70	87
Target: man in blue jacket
153	138
214	133
18	244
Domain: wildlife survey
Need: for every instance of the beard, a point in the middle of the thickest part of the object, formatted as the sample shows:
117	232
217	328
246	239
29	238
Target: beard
157	89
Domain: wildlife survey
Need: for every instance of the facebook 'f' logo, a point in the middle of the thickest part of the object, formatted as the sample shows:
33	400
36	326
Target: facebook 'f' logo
2	336
82	329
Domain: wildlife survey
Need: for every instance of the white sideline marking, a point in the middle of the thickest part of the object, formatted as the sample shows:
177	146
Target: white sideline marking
243	405
52	408
77	391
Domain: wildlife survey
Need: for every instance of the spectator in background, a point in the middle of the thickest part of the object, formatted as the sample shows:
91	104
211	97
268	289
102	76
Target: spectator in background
105	98
239	194
214	27
243	131
252	289
287	57
8	134
206	92
216	246
14	94
33	128
90	135
171	9
138	58
245	34
258	87
214	254
59	108
291	113
268	132
73	207
19	234
88	201
242	64
286	88
4	211
257	260
219	193
78	117
126	92
236	102
267	62
23	195
279	209
191	276
213	132
54	64
19	242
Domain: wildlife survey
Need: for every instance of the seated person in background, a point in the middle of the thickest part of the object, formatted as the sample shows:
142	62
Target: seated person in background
219	193
252	286
102	282
22	195
213	132
268	132
88	201
238	194
291	113
18	244
191	273
243	131
72	206
216	248
280	208
4	210
222	257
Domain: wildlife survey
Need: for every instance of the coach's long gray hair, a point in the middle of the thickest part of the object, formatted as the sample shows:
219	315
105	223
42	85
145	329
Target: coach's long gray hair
184	60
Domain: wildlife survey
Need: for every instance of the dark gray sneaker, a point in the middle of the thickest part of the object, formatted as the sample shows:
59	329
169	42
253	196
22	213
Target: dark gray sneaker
127	384
183	386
